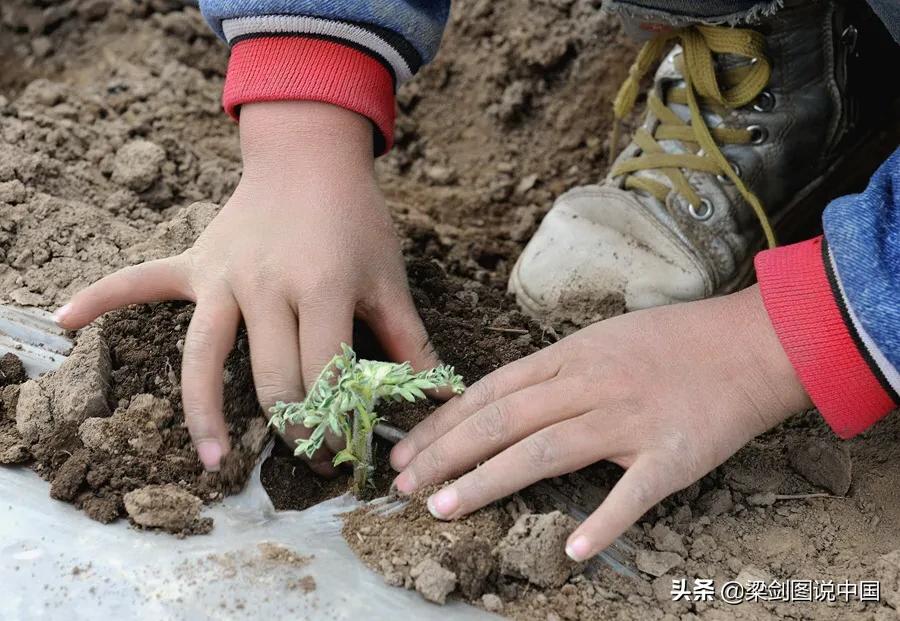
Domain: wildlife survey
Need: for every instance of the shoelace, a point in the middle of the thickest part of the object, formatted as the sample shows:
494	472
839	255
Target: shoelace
742	85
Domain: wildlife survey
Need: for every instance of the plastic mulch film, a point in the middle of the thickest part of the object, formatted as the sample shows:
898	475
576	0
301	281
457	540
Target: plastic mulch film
56	563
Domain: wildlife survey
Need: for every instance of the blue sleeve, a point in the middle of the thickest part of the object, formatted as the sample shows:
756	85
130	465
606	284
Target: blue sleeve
862	233
414	27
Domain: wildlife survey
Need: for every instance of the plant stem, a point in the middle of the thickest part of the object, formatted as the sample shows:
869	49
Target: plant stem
362	450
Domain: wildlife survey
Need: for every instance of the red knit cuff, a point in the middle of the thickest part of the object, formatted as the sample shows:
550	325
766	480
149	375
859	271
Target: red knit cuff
809	318
302	68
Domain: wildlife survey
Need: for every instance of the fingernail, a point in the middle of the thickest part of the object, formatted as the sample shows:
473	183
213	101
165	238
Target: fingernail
578	549
401	455
405	483
443	504
210	454
61	313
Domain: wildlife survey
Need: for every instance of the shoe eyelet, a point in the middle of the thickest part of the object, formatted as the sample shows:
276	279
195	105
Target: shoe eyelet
758	134
849	37
704	213
765	102
726	178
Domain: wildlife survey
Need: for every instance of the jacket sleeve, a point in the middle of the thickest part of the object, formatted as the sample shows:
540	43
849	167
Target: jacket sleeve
351	53
835	304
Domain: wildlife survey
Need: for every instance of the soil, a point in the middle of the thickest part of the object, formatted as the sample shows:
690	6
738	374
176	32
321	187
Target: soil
111	131
108	425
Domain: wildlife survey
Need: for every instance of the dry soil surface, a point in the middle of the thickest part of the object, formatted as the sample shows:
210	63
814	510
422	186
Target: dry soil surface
111	135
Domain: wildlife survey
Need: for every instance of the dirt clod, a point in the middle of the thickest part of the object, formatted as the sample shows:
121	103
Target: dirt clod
888	573
433	581
282	555
137	426
137	164
11	370
716	502
762	499
167	507
657	563
667	540
825	464
104	509
534	549
11	450
70	476
492	602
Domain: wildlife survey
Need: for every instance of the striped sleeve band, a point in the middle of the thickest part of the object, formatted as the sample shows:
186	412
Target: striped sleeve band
399	57
295	57
845	375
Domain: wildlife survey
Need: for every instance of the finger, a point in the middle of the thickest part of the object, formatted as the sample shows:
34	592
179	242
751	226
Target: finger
153	281
533	369
274	353
321	463
209	339
640	488
322	331
275	362
400	331
491	429
553	451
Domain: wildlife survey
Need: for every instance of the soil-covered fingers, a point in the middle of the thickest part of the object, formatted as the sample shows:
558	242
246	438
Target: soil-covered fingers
209	339
491	429
553	451
643	485
533	369
154	281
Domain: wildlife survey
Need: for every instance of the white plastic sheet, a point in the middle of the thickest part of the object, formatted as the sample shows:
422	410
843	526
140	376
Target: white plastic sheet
56	563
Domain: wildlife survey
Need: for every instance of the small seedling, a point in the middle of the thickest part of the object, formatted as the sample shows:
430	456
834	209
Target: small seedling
343	400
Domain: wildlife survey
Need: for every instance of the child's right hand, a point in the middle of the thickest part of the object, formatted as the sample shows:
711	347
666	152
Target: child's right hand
304	244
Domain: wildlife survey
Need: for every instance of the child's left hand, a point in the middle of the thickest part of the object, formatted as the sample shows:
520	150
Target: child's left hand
668	394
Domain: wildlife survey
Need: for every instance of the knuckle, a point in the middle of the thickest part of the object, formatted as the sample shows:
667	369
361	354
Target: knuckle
586	382
273	386
199	343
479	394
432	426
474	490
492	423
430	465
312	370
542	449
324	288
188	259
681	448
199	418
643	492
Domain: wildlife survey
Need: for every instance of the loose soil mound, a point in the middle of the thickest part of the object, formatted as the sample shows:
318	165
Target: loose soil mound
111	129
109	423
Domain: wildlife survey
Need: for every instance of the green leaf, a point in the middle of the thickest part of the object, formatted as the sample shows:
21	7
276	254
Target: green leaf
343	456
